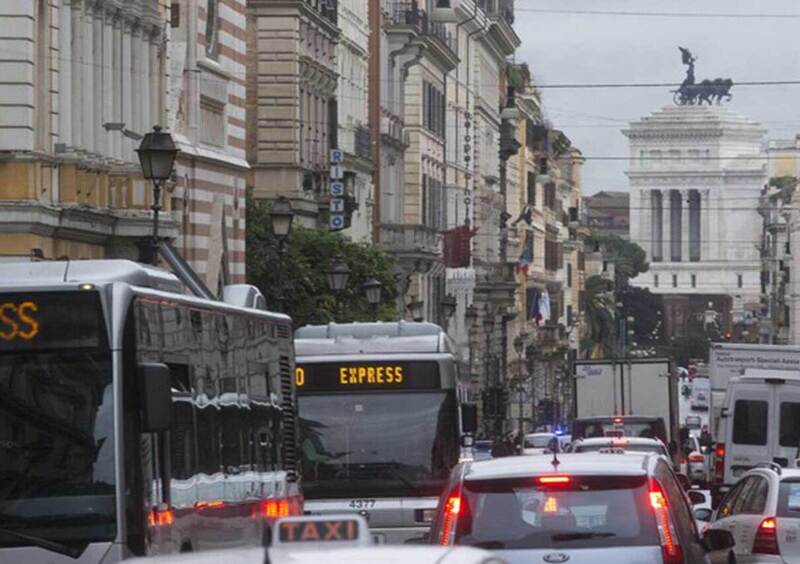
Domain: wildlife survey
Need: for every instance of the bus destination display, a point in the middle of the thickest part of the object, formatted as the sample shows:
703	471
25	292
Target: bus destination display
352	376
50	320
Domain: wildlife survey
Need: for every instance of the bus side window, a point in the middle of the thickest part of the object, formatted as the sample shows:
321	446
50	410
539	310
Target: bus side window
182	440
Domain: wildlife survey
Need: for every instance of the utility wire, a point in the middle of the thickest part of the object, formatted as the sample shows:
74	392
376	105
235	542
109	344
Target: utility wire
728	15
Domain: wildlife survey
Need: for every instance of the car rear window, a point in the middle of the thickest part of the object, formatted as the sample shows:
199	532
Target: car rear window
750	422
626	447
789	499
790	424
586	512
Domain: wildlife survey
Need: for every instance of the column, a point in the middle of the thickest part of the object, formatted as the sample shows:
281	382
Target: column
109	64
147	120
156	87
87	67
65	73
100	61
666	206
656	225
116	84
126	89
686	227
76	76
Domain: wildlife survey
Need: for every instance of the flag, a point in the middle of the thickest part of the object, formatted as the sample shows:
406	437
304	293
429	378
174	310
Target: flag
457	246
525	215
544	306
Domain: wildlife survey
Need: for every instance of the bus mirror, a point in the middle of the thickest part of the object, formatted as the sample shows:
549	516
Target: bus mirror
156	397
469	417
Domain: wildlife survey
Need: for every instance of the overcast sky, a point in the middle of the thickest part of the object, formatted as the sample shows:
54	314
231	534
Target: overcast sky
590	48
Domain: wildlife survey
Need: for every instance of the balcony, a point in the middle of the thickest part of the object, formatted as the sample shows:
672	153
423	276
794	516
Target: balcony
499	9
438	40
496	281
410	241
327	8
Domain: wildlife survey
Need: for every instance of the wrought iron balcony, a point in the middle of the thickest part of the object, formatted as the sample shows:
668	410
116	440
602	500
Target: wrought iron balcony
408	14
503	9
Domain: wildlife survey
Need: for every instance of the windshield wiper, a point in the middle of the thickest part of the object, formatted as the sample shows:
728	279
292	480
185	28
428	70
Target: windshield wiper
581	536
46	544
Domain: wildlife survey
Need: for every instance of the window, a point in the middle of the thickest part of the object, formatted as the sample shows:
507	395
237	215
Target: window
569	275
212	29
750	422
738	280
532	189
433	106
550	195
694	280
790	424
655	280
434	203
756	500
674	280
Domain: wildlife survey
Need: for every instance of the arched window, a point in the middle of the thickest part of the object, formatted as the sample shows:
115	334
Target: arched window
212	28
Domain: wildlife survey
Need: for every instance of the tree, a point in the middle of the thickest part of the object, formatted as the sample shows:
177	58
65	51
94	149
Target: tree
629	259
599	316
302	279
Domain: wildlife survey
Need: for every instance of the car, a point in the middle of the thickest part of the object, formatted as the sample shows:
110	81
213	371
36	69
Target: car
762	511
693	461
699	401
482	449
576	508
539	443
627	444
329	539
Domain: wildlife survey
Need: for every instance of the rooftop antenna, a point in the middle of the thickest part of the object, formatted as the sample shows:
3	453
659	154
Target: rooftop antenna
556	461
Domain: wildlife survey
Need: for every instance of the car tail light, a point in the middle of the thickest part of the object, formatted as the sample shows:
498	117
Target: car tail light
696	457
277	508
549	480
766	541
719	462
161	517
452	510
670	546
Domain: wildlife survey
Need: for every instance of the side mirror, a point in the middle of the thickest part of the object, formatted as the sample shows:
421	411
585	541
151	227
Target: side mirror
696	497
703	514
469	417
155	396
718	539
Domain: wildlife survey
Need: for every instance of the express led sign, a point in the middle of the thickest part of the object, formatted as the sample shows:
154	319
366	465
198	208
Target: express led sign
18	320
367	376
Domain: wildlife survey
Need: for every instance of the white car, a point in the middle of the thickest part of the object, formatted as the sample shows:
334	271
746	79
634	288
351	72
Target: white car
626	444
539	443
762	511
329	539
693	461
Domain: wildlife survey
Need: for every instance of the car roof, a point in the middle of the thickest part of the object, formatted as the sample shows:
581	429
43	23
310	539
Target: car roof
628	464
541	434
785	473
620	440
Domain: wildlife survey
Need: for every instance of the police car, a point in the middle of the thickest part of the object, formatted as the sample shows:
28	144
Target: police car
329	539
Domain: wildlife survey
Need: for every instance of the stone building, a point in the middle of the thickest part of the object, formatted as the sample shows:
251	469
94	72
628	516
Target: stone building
608	213
83	81
696	173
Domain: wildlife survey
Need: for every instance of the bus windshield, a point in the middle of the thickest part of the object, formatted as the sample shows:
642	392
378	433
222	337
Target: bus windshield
377	444
57	481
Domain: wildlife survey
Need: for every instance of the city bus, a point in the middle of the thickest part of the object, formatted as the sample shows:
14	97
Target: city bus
383	417
138	419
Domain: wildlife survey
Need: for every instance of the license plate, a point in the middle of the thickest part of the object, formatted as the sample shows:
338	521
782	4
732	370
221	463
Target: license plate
362	503
379	538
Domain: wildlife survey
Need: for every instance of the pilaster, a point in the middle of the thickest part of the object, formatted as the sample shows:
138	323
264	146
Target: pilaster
685	227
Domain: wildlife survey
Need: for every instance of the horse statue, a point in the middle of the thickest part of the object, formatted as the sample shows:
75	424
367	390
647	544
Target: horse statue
707	91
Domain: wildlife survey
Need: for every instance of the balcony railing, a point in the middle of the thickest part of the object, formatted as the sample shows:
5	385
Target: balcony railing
409	239
499	9
328	9
408	14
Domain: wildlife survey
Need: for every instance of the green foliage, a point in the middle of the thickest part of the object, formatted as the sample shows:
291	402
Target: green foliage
782	182
599	316
629	259
303	280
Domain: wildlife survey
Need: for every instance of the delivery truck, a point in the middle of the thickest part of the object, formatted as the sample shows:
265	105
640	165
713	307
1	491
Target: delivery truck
620	389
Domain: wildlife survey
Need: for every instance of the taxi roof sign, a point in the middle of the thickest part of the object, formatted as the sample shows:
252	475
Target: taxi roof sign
312	530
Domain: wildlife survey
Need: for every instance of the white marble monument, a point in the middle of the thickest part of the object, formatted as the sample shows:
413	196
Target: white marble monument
695	176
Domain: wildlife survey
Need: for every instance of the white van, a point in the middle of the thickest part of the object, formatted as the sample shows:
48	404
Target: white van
760	423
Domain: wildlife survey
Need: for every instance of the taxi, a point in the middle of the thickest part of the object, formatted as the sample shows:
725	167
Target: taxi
329	539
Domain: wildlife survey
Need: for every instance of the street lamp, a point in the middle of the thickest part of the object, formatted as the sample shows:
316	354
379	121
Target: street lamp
338	274
449	305
471	315
415	308
372	288
281	216
157	153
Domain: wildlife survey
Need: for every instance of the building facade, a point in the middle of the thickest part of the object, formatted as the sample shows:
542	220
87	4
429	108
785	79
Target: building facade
608	213
84	80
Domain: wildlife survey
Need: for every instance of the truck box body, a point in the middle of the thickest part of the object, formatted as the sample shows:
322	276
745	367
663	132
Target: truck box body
628	387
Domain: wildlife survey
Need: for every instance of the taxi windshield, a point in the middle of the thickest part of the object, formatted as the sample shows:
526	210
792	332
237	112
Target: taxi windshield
396	443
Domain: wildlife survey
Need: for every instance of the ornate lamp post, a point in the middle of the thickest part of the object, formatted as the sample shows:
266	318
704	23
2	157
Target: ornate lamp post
281	217
372	288
449	305
157	153
415	309
338	274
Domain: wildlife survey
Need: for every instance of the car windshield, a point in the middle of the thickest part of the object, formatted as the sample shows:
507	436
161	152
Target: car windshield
56	448
377	444
587	512
539	441
624	446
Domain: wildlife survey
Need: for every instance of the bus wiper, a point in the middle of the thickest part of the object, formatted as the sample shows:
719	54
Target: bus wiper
581	536
46	544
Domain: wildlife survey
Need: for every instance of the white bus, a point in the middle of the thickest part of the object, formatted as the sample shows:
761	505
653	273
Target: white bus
382	414
136	419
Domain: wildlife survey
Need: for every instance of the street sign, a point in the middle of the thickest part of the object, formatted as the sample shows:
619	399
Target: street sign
337	172
336	222
337	156
337	189
337	205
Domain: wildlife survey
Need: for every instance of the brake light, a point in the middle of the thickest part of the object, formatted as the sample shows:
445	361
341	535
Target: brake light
554	479
452	509
161	518
209	504
274	508
617	420
766	541
670	547
719	462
